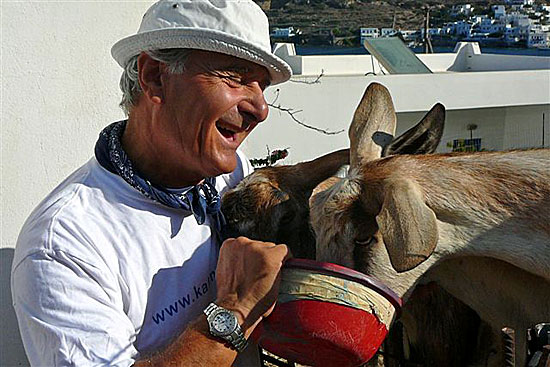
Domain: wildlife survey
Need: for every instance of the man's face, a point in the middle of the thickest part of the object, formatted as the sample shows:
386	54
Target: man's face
208	111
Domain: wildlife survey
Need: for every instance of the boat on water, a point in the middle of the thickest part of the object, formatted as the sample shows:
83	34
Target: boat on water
493	102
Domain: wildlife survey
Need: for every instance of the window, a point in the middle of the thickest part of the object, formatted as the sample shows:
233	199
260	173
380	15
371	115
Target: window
467	145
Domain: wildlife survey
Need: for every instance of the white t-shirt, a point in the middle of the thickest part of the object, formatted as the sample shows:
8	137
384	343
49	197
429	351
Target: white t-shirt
102	273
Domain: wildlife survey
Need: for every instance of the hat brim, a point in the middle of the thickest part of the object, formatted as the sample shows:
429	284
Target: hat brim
202	39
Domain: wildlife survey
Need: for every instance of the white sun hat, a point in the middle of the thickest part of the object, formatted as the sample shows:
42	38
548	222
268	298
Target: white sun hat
234	27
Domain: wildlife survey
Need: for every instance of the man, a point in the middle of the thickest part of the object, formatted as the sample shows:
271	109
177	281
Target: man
121	264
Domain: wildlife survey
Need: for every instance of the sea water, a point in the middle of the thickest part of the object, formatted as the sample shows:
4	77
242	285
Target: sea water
339	50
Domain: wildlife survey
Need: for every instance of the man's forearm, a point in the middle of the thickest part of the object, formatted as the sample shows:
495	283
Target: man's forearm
194	347
247	282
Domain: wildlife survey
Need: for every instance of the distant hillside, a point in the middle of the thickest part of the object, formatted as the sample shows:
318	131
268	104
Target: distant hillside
345	17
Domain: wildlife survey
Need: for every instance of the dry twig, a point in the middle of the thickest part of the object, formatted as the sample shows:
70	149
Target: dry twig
308	82
291	112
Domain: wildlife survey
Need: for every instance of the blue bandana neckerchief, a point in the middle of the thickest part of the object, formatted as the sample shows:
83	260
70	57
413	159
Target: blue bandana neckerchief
200	200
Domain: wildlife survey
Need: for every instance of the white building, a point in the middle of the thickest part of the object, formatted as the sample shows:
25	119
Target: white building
499	10
519	2
464	9
369	33
517	19
469	83
408	35
491	26
476	19
511	34
284	32
435	31
387	32
538	39
520	23
546	8
462	28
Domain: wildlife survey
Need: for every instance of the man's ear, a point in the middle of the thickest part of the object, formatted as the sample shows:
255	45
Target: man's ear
150	78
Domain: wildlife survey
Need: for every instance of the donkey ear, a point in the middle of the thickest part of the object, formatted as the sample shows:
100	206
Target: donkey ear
422	138
373	125
307	175
408	226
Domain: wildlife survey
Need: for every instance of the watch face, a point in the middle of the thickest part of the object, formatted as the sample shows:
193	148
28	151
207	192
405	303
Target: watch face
224	323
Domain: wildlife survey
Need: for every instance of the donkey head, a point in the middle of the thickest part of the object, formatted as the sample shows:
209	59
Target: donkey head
272	203
377	204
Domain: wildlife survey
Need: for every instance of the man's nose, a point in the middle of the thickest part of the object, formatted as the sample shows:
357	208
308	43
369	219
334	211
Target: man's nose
255	103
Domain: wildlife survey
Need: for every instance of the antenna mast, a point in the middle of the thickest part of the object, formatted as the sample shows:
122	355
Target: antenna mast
428	49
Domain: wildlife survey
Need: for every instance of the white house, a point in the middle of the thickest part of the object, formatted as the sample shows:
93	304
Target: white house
408	35
448	28
435	31
284	32
387	32
511	34
537	38
369	33
464	9
476	19
519	2
491	26
520	20
499	10
462	28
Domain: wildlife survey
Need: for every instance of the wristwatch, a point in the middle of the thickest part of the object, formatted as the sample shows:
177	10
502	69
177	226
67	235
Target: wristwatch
223	324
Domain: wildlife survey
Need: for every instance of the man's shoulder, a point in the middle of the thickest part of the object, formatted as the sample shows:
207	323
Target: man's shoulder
79	192
70	212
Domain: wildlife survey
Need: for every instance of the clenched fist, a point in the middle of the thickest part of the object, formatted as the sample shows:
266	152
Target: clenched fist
248	277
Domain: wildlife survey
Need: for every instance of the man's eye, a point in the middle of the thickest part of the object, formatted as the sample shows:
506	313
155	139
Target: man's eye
236	79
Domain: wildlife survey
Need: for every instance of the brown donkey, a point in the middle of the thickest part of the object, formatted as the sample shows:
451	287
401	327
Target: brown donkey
272	205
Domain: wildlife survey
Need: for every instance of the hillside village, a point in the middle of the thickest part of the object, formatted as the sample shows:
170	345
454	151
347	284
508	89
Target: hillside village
512	23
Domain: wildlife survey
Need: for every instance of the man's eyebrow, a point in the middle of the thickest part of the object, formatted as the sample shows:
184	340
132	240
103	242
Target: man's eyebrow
242	69
237	69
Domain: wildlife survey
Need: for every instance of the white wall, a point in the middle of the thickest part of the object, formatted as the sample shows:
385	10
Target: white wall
499	128
527	133
483	98
490	127
487	62
59	88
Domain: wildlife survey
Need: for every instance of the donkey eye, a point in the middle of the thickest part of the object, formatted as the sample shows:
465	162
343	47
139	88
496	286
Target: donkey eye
364	242
287	218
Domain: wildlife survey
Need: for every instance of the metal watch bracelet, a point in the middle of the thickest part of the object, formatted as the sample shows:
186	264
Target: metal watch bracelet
236	337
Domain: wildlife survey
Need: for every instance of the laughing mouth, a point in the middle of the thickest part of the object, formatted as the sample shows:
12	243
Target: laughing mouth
230	131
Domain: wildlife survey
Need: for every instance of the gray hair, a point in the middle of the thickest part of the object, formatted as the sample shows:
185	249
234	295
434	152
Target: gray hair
174	58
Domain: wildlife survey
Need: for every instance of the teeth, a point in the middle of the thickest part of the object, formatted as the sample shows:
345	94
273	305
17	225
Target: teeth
227	127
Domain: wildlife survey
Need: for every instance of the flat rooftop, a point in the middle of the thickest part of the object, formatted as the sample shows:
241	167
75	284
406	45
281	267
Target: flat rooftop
467	57
464	79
